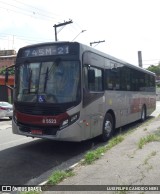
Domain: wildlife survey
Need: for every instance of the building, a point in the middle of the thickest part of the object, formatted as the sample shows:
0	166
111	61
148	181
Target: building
7	58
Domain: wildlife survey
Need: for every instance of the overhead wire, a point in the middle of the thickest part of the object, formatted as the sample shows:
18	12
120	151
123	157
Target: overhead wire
36	8
26	38
25	11
33	12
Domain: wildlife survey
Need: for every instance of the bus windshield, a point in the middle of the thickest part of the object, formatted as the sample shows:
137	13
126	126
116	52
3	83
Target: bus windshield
48	82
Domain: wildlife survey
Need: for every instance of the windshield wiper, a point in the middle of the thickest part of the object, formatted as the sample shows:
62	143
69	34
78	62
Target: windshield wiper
46	79
49	71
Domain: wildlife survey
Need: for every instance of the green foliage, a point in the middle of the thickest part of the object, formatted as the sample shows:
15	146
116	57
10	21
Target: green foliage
158	85
114	141
147	139
155	69
58	176
3	70
91	156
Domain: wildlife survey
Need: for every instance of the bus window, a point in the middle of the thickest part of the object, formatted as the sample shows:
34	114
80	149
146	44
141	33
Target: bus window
92	79
49	82
96	83
113	77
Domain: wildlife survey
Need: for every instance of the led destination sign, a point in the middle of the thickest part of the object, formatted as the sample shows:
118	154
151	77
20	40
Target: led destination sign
46	50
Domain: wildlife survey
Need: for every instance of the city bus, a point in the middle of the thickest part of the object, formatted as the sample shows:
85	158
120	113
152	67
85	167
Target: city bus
68	91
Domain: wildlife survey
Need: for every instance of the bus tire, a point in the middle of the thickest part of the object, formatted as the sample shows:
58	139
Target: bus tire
143	114
108	128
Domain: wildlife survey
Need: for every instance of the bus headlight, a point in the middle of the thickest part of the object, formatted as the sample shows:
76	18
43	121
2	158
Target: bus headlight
74	118
71	120
65	123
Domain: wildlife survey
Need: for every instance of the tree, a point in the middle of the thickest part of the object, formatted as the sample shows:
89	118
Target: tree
3	70
155	69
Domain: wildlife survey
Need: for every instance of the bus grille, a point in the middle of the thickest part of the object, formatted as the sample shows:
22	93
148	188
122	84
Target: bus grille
37	109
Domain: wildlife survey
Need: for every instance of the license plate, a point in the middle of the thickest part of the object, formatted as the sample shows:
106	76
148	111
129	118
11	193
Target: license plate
36	132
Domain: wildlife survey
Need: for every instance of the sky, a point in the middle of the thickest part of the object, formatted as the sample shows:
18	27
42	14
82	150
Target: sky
126	26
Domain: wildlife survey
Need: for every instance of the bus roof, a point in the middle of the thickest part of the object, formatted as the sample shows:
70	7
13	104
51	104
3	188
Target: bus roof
90	49
107	56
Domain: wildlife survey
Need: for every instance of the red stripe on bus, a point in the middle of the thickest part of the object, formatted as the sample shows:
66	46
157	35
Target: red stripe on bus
41	119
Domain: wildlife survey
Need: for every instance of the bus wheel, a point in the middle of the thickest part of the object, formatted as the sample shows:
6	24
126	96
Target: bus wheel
143	114
108	127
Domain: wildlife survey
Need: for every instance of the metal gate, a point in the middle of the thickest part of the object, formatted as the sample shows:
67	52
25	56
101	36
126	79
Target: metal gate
3	93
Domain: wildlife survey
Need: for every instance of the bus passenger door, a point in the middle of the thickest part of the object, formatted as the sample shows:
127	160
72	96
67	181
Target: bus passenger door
93	99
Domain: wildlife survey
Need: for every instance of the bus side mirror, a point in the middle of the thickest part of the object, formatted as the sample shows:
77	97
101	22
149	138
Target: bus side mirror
6	76
91	76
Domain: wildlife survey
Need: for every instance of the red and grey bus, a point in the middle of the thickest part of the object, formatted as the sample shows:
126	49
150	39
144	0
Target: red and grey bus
68	91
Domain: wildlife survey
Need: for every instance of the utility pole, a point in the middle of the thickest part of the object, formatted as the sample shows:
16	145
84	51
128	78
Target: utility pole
61	24
91	43
140	59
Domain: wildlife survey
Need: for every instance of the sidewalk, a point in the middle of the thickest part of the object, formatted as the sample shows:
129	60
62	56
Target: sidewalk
124	164
6	126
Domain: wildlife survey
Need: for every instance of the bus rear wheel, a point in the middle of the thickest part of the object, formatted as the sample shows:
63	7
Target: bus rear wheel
143	114
108	128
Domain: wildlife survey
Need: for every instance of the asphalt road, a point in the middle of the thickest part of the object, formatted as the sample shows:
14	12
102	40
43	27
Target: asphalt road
30	161
23	159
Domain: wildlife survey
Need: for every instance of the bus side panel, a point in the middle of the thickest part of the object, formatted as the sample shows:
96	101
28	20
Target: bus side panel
93	115
117	102
127	106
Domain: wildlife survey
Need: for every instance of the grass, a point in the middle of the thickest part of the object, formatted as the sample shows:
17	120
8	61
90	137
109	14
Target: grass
59	176
91	156
149	138
157	132
146	161
114	141
149	157
54	179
